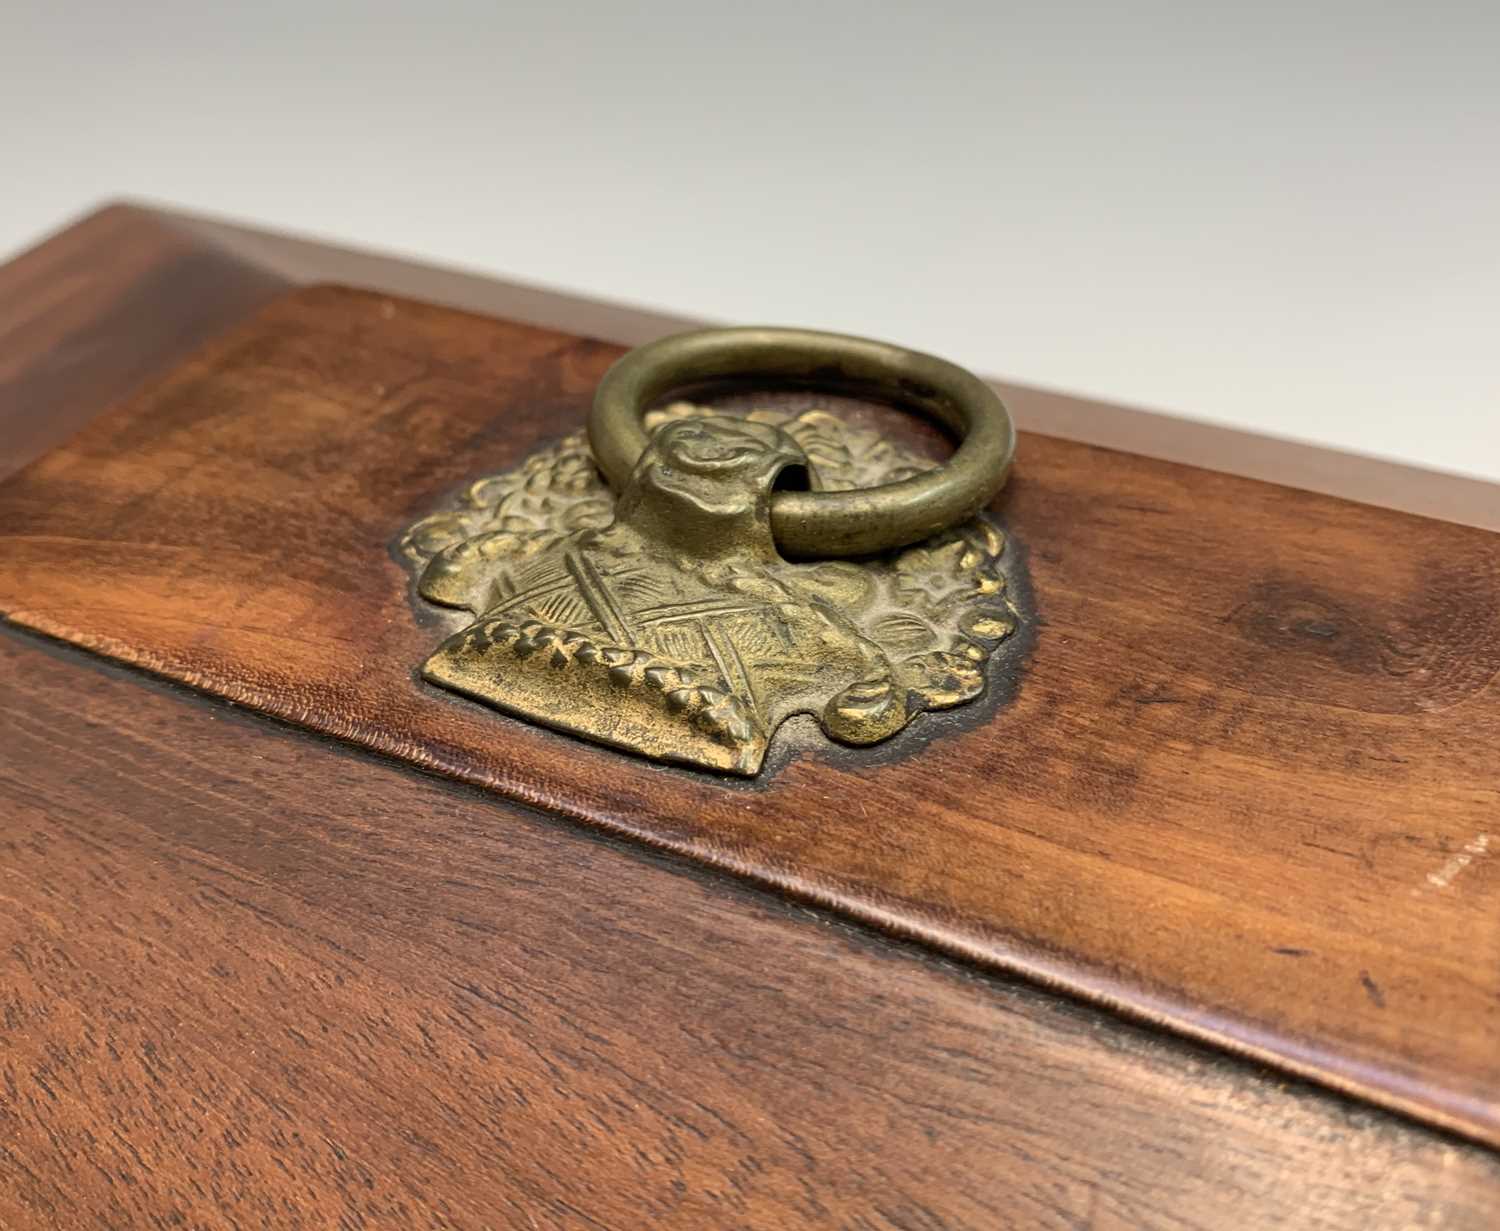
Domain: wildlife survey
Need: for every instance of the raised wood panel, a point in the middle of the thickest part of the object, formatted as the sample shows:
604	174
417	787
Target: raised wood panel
254	979
1238	790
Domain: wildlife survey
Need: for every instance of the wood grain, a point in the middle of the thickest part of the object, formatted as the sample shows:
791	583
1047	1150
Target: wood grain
101	307
1256	729
254	979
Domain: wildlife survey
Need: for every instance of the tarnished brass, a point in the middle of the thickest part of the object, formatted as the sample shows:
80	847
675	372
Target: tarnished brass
667	622
822	524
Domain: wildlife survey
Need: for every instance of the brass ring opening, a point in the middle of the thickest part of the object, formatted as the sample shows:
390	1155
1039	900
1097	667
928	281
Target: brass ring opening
808	523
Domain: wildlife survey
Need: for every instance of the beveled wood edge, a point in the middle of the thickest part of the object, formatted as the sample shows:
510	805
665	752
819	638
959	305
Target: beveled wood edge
102	306
1351	476
1265	1100
1139	1005
876	931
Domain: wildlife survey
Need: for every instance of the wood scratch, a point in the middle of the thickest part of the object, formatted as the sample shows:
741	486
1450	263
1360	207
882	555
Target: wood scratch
1443	877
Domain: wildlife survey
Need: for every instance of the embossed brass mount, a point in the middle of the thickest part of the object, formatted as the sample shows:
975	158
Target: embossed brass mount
668	620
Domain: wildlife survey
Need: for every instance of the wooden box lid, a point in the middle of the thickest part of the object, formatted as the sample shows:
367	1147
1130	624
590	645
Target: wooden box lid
1242	782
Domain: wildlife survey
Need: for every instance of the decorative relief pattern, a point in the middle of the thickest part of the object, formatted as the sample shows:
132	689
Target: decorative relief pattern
665	621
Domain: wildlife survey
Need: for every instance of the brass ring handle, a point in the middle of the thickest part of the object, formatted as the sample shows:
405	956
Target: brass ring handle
851	523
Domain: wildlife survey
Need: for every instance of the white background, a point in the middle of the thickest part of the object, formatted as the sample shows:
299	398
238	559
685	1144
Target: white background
1278	216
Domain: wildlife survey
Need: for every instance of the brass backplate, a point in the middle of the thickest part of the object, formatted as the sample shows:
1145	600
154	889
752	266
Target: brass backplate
666	622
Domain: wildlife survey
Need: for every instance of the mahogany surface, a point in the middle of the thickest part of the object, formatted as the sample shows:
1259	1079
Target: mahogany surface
129	292
89	314
250	978
1256	731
